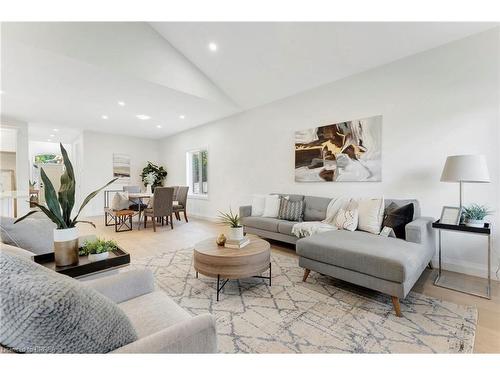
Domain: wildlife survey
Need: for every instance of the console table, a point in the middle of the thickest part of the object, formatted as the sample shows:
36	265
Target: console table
443	282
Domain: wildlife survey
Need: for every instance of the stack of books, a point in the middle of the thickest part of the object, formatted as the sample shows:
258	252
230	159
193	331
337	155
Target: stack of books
237	244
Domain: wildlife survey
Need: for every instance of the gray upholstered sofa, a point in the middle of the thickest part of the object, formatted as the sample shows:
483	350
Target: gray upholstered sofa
388	265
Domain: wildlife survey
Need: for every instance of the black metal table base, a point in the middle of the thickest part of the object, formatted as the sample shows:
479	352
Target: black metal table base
220	287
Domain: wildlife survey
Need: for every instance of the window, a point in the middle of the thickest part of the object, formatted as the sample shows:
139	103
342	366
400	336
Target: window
197	177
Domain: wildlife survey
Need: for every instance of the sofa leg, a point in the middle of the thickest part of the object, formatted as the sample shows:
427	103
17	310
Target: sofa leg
306	274
397	306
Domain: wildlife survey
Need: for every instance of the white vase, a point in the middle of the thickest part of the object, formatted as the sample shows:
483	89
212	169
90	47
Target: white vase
236	234
66	246
97	257
148	189
474	223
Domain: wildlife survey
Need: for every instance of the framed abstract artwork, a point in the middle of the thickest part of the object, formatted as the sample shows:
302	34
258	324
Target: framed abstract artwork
340	152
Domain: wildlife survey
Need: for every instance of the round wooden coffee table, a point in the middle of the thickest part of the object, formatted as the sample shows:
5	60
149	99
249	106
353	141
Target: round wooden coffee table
230	264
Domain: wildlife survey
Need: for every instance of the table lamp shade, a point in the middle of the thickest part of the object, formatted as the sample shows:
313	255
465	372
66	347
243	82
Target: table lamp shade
465	168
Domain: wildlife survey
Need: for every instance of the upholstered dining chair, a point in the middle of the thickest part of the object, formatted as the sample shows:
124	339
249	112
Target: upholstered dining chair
161	206
182	193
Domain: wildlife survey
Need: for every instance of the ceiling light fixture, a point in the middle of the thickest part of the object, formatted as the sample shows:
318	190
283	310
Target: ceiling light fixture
49	140
158	126
182	117
121	104
52	135
2	92
212	46
56	130
104	117
143	117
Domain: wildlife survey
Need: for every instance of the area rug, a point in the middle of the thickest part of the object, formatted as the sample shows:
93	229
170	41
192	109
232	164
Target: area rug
322	315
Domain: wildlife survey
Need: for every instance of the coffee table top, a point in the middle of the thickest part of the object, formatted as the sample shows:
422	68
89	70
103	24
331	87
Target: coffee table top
209	247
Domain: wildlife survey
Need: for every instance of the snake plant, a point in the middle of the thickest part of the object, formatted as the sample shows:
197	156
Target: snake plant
60	205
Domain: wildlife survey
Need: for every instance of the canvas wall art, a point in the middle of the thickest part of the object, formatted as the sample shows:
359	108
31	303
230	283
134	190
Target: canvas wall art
121	167
345	151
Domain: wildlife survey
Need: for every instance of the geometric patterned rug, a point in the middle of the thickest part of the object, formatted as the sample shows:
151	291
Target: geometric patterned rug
322	315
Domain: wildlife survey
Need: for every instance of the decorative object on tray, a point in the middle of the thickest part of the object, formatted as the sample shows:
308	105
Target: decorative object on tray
159	175
237	244
344	151
450	215
465	168
221	239
233	221
98	249
474	215
58	209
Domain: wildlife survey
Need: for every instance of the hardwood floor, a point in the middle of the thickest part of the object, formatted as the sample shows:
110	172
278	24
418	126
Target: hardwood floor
146	242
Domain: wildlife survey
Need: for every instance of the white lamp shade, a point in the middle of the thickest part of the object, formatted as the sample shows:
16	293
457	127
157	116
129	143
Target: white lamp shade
465	168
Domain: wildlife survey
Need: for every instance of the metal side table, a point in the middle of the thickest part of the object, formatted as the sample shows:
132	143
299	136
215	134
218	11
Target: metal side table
451	284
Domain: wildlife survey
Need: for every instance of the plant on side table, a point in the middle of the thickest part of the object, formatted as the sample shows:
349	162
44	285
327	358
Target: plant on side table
474	215
58	209
233	221
98	249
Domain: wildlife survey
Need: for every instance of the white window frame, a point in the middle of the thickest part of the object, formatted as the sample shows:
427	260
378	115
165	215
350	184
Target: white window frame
189	174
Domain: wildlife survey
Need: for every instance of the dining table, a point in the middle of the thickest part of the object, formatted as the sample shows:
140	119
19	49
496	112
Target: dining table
134	197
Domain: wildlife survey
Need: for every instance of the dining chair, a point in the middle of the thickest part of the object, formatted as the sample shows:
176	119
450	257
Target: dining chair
161	206
182	194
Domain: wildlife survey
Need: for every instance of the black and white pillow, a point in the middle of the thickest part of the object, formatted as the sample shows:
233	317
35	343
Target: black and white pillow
291	210
397	217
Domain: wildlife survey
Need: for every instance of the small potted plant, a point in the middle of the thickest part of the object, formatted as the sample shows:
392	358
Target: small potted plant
233	221
98	249
474	215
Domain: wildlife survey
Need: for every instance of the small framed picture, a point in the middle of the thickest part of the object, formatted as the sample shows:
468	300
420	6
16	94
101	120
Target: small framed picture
450	215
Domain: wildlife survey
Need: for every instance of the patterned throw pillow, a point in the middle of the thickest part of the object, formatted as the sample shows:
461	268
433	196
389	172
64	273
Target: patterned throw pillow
346	219
291	210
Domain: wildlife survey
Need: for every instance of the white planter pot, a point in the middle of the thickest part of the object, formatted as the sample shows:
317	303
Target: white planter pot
474	223
97	257
236	234
148	189
66	246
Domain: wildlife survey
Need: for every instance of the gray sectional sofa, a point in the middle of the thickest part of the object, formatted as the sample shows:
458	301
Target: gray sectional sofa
388	265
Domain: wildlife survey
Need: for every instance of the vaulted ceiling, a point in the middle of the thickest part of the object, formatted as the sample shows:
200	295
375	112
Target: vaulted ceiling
74	74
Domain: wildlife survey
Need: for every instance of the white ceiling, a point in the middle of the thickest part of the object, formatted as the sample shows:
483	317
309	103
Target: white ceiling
70	74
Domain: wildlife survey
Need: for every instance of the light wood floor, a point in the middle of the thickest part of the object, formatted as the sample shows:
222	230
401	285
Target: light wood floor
146	243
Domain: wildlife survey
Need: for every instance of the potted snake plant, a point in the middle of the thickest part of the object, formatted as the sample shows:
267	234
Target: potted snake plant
58	209
233	221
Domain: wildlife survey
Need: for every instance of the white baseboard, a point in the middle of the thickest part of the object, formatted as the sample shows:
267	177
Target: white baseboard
203	217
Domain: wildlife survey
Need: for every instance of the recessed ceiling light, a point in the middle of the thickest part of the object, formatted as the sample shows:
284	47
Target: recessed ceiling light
56	130
158	126
49	140
52	135
143	117
212	46
121	104
182	117
104	117
2	92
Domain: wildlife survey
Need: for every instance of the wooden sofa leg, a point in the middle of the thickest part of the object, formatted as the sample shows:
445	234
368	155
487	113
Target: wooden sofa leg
306	274
397	306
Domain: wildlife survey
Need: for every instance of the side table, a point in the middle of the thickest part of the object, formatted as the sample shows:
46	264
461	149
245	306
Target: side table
440	280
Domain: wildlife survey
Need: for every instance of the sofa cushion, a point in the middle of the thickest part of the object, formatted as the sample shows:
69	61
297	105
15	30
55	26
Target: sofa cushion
397	217
315	208
153	312
383	257
404	202
264	223
271	206
285	227
291	210
45	312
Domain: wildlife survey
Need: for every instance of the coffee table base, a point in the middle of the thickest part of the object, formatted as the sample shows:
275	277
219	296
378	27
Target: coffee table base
220	287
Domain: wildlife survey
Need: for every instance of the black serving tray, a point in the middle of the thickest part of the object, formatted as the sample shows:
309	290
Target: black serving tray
463	228
116	258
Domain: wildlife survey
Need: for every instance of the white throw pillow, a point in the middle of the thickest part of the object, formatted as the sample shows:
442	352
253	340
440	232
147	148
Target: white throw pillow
346	219
258	204
371	214
120	201
333	208
272	206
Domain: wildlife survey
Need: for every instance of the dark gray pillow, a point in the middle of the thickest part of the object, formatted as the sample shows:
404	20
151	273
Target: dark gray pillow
291	210
42	311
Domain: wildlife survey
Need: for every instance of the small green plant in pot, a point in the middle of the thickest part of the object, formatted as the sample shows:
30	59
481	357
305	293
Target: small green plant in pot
474	215
98	249
233	221
59	207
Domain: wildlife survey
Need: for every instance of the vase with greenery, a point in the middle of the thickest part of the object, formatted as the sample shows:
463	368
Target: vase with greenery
58	209
159	175
475	214
98	249
233	221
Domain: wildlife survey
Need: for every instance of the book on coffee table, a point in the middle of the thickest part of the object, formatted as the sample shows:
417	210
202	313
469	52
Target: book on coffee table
237	244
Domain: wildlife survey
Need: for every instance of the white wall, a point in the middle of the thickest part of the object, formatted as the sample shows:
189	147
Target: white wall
437	103
97	162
